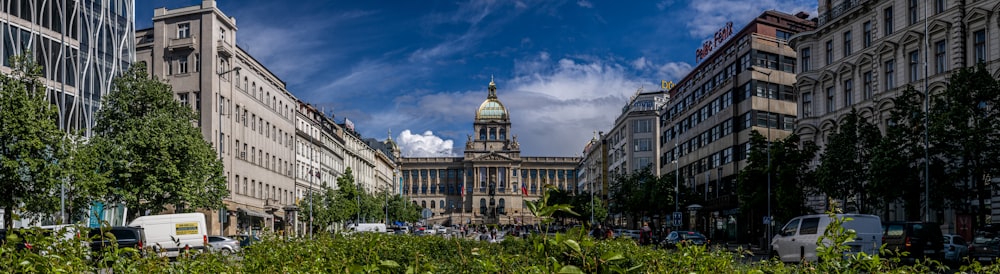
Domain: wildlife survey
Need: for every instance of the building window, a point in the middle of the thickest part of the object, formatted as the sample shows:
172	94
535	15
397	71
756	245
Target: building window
914	65
830	104
887	21
182	64
170	66
867	39
913	12
847	43
829	52
807	104
222	34
867	84
848	92
783	35
940	56
197	62
642	126
805	55
183	30
979	46
890	74
789	122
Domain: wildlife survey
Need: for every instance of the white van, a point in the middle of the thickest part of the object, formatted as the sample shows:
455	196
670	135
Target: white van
368	227
797	240
187	228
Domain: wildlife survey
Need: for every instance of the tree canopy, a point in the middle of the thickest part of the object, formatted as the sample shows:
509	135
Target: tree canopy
152	149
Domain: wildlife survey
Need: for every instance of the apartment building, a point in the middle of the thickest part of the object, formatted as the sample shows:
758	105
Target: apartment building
863	53
246	111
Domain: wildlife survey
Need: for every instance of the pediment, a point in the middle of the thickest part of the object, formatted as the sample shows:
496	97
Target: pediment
938	26
803	81
492	157
977	14
865	59
886	47
911	37
845	68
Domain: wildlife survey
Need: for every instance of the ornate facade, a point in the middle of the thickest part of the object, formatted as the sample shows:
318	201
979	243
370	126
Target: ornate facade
490	183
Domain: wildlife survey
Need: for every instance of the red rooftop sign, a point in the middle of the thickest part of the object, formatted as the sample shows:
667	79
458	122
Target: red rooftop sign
709	46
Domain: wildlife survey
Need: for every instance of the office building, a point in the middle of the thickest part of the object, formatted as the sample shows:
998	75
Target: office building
744	82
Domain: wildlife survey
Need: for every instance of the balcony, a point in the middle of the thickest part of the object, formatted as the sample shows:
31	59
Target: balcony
224	48
271	205
839	10
181	44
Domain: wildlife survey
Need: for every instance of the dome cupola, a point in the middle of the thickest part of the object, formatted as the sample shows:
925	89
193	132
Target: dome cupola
491	109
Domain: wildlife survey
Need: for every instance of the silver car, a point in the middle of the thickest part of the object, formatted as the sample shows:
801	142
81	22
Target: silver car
224	245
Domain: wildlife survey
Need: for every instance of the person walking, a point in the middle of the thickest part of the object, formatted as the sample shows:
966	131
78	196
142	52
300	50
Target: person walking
645	234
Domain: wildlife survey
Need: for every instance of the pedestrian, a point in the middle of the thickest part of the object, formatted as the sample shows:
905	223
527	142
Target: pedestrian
645	234
598	232
609	233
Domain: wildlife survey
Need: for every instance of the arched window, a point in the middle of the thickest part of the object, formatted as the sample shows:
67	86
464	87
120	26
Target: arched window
253	88
237	77
482	206
500	207
503	134
493	133
423	204
441	204
432	204
482	134
245	81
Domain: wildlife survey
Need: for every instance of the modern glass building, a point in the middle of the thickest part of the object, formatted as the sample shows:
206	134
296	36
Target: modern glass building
80	44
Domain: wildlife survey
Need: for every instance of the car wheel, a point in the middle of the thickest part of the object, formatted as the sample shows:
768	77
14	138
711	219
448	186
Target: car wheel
226	251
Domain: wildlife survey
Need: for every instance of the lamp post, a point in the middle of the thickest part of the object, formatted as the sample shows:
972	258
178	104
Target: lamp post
767	96
357	196
677	179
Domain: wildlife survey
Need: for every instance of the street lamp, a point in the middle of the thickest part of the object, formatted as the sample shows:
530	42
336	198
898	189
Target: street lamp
767	95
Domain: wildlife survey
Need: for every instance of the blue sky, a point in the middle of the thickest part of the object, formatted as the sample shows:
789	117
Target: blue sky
563	69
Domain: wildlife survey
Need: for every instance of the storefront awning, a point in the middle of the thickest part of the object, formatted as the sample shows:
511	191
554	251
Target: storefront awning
254	213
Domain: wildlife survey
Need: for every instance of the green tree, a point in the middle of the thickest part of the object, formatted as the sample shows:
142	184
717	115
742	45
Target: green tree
896	162
583	205
845	164
965	133
403	210
346	199
154	153
33	145
789	173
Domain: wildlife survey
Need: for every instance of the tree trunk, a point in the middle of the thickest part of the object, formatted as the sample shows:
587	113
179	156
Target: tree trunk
8	218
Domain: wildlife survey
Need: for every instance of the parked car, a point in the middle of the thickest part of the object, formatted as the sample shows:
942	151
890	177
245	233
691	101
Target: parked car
245	240
917	239
683	238
797	240
224	245
984	248
955	248
104	238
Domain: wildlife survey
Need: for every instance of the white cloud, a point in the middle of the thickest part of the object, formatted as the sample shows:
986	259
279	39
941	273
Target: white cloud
424	145
664	4
673	70
585	4
640	63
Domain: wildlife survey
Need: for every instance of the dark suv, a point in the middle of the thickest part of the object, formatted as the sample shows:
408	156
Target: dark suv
125	236
918	239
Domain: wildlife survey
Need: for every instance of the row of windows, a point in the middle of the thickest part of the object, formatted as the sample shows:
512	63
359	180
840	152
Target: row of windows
49	14
180	63
493	134
867	35
17	40
455	188
259	157
455	173
264	97
260	190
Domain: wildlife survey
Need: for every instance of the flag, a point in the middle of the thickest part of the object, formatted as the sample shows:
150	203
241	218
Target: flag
463	190
524	189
